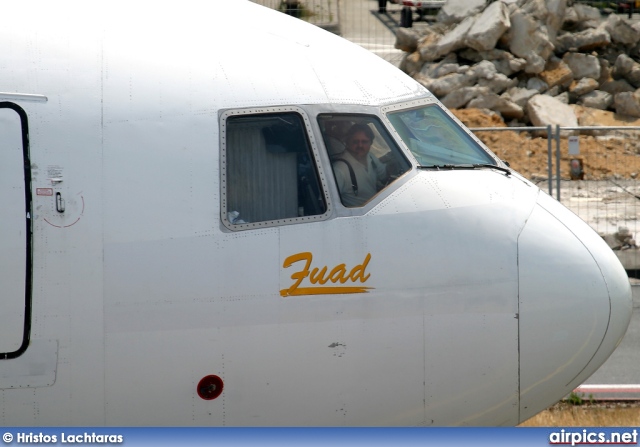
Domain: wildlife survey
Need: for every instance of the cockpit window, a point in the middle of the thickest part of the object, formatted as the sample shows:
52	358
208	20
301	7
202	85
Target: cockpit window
437	140
363	156
269	171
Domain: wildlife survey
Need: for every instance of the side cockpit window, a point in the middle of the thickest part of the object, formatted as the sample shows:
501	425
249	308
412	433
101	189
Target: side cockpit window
269	171
363	156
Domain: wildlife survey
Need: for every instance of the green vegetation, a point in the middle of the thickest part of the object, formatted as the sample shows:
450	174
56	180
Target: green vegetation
579	398
575	398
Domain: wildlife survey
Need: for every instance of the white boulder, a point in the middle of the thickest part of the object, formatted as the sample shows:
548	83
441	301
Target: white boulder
583	86
586	40
529	41
459	98
582	65
506	108
489	27
456	11
544	110
596	99
621	30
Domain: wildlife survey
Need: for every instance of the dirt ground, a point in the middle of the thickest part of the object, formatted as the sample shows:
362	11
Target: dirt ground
601	414
612	154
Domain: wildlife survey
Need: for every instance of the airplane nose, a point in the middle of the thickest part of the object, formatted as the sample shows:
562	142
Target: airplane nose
574	304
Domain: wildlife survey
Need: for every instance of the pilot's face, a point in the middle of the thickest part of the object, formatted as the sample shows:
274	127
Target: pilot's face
359	145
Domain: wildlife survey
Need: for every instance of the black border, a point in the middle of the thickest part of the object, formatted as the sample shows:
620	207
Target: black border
29	230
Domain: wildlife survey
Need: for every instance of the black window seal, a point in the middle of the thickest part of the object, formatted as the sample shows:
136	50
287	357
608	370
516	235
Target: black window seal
28	233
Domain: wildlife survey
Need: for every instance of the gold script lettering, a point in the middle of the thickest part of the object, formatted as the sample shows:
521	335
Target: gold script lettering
315	278
338	274
301	275
358	271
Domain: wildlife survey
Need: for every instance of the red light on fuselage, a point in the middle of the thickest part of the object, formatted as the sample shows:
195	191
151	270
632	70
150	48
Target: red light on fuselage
210	387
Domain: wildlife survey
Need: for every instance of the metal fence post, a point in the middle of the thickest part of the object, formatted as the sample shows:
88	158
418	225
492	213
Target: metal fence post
558	162
549	159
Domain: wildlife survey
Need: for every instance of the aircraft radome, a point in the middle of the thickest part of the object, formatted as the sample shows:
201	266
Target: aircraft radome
216	214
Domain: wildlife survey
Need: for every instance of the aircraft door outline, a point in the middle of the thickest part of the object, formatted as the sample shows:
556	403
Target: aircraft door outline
16	266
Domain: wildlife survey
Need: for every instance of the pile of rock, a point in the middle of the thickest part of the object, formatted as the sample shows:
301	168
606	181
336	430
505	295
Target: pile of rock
621	239
527	59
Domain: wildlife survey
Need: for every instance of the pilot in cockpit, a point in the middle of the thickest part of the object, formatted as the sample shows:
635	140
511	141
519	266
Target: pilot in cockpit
359	174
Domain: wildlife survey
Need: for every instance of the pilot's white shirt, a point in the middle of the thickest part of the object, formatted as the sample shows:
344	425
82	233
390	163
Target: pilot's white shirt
367	178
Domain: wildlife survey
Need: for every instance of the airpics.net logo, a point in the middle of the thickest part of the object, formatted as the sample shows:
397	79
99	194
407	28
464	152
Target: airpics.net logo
62	438
590	437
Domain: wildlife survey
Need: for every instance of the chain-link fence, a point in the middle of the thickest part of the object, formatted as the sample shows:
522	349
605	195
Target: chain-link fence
360	21
592	170
322	13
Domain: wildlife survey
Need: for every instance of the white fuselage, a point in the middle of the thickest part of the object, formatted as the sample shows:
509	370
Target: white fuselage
472	297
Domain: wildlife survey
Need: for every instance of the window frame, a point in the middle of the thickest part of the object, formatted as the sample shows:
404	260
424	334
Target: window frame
420	103
314	153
